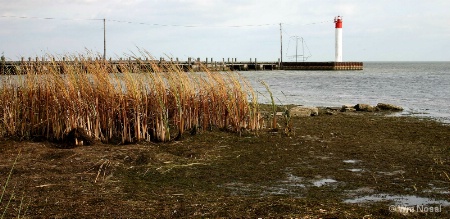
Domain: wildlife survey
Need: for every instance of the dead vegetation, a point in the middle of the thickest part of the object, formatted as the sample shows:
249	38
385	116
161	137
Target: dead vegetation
223	174
154	103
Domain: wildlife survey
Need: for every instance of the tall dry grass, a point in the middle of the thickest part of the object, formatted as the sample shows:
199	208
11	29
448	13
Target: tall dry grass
146	102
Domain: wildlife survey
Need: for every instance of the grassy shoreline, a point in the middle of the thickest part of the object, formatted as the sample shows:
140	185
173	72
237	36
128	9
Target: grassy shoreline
159	103
201	146
326	160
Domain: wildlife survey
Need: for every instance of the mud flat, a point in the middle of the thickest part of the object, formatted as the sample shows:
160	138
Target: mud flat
352	164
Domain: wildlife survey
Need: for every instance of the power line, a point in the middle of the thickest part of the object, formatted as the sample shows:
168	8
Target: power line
155	24
133	22
312	23
191	26
51	18
168	25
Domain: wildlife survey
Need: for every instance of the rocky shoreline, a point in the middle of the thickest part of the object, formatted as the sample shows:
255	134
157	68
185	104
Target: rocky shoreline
305	111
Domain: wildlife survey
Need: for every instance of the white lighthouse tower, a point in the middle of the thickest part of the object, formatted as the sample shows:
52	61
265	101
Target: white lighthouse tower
338	22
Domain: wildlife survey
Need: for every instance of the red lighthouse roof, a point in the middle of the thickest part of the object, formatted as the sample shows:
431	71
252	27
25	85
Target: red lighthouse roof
338	21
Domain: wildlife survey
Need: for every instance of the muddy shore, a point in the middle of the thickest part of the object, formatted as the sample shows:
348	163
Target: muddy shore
346	165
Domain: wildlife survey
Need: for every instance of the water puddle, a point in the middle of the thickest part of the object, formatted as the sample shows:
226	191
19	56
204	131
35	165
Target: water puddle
393	173
276	191
240	188
354	170
438	190
351	161
361	191
404	200
323	157
292	185
293	180
323	182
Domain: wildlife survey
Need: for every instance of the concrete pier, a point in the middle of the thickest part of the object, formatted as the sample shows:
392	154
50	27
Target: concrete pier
192	64
320	66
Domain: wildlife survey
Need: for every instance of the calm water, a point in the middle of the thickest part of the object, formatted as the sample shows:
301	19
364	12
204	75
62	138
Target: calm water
421	88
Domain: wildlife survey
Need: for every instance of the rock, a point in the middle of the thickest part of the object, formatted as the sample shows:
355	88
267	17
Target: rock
351	109
387	106
334	108
364	107
348	108
303	111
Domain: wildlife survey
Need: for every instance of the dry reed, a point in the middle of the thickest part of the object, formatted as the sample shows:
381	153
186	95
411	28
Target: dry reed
121	102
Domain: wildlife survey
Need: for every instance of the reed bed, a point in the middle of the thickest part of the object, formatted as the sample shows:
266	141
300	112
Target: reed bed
151	103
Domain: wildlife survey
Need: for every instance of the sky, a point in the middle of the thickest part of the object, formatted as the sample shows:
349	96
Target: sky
382	30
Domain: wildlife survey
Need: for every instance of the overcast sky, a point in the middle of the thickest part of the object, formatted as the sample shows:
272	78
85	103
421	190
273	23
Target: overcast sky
382	30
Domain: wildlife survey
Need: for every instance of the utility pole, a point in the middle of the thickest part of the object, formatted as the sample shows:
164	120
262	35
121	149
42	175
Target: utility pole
104	39
281	50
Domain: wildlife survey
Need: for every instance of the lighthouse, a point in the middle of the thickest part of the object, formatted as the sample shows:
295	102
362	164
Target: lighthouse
338	22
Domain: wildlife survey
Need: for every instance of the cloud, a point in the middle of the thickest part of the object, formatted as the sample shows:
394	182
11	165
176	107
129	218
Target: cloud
400	25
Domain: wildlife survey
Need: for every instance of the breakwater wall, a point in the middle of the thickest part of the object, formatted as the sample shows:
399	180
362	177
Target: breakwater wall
139	65
337	66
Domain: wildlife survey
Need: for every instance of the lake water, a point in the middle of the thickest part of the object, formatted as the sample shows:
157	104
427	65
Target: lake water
421	88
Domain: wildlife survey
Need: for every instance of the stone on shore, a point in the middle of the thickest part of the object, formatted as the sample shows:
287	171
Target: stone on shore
348	108
387	106
303	111
364	107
